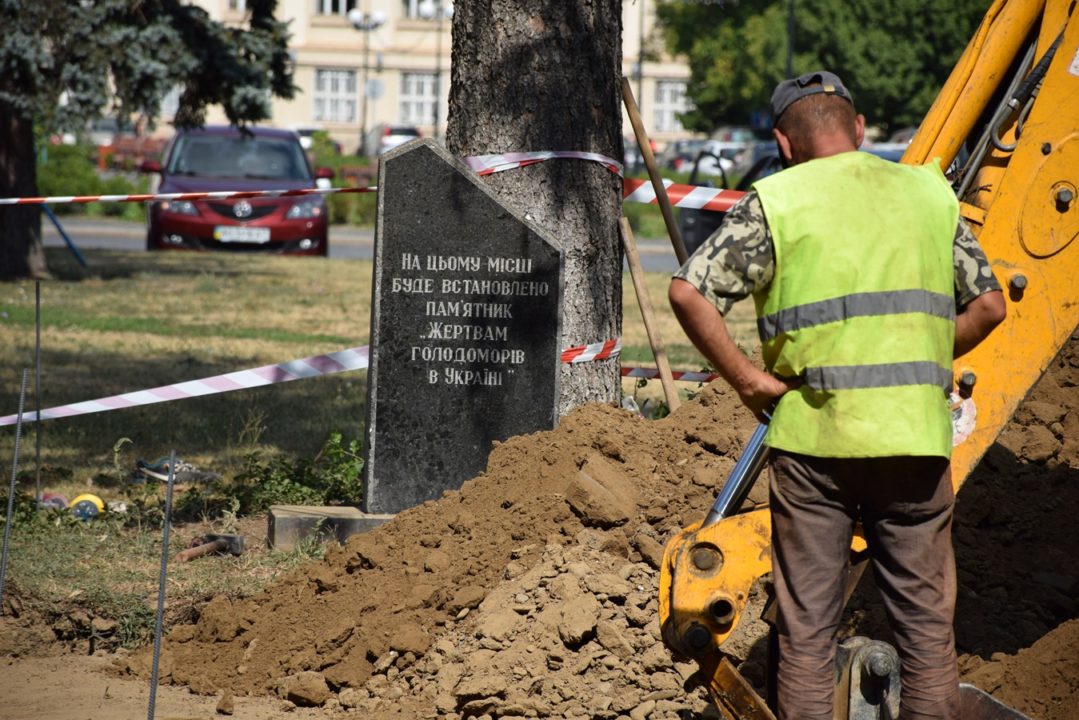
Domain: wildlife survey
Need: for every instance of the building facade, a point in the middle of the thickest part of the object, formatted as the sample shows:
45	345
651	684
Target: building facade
396	70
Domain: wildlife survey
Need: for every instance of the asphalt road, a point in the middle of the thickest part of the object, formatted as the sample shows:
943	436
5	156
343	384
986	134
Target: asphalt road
346	242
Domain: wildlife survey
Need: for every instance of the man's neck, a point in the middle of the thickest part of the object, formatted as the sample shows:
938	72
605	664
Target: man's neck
827	145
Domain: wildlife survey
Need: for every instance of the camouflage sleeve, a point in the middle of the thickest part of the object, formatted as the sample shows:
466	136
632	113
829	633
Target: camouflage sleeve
737	260
973	275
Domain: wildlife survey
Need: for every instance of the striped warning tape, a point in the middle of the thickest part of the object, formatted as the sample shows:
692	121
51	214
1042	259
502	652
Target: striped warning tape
595	351
335	362
633	190
217	195
683	196
489	164
351	359
648	373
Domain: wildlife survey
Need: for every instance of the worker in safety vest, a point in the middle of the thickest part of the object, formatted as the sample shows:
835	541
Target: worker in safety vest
867	284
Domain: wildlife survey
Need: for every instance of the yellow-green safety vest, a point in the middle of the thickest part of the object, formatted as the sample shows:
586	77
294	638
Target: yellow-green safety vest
861	307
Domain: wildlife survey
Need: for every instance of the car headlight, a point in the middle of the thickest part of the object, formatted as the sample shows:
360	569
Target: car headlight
307	208
180	207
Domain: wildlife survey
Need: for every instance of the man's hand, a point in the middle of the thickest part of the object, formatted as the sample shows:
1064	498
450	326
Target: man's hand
760	392
705	327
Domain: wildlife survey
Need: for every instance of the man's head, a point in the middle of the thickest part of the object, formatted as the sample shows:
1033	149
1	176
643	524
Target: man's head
813	116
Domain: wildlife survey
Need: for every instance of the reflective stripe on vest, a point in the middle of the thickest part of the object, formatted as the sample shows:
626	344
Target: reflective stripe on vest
889	302
852	377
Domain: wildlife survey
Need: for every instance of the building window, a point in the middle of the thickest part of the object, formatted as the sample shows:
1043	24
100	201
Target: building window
418	98
334	7
411	8
670	103
335	95
238	5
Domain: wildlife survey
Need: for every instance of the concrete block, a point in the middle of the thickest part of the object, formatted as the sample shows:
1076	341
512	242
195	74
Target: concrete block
289	525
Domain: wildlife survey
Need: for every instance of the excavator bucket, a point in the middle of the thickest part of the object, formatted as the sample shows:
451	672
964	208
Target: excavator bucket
976	704
733	696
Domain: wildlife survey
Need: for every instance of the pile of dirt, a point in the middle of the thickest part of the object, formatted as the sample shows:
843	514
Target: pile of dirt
399	587
531	591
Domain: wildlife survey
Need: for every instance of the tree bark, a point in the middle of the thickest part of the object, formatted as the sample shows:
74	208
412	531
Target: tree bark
533	75
21	254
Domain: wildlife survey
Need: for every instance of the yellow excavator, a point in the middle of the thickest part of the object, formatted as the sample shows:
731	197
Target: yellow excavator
1006	125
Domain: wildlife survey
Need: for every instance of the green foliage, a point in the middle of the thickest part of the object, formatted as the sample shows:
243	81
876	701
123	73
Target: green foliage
333	477
24	509
71	170
352	208
894	54
131	54
350	170
68	170
324	151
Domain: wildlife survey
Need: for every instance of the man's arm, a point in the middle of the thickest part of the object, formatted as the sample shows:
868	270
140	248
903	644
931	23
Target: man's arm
977	319
706	328
977	292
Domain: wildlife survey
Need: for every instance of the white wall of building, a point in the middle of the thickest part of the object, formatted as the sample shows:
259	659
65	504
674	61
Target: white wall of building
400	59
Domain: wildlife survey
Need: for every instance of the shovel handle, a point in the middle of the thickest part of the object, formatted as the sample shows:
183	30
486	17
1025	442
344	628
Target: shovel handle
200	550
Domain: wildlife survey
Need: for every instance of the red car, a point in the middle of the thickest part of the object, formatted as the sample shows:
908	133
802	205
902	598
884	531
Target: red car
218	158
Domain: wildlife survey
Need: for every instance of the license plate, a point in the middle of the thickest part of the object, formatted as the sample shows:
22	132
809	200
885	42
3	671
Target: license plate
238	233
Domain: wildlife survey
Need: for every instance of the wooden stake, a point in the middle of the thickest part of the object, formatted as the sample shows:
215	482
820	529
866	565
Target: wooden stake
653	173
650	325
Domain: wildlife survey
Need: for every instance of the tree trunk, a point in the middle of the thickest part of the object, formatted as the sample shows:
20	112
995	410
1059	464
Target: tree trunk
21	254
532	75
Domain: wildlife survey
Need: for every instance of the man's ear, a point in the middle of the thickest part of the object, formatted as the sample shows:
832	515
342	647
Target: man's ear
859	130
784	145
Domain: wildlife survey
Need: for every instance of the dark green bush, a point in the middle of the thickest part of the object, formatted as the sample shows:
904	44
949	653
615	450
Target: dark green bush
68	170
72	170
333	477
348	208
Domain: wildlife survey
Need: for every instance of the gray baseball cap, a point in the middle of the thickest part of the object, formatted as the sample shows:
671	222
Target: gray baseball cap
789	92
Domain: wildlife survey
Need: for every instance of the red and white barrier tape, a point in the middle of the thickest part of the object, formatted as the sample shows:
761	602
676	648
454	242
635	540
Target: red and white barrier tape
634	190
649	373
683	196
351	359
335	362
217	195
489	164
595	351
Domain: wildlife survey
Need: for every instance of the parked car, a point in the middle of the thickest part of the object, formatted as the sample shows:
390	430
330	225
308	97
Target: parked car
632	157
698	225
680	154
384	137
222	158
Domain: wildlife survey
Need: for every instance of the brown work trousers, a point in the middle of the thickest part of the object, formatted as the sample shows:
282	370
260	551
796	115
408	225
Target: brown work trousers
905	505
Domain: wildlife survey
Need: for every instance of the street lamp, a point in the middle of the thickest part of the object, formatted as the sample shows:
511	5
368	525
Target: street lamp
365	22
437	10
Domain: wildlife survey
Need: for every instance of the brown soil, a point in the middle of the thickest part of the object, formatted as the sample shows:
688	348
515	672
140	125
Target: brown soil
531	591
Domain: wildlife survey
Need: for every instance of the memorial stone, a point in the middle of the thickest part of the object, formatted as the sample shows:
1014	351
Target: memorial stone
464	328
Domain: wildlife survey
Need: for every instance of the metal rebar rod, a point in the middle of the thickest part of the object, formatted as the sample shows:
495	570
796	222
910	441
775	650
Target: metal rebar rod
37	391
11	490
159	619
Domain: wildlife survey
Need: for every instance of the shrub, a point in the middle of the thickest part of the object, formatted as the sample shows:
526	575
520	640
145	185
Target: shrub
71	170
333	477
68	170
350	208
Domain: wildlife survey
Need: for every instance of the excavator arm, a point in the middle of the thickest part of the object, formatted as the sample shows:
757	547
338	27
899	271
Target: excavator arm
1006	126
